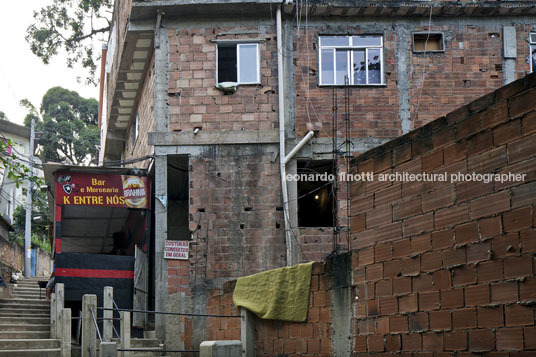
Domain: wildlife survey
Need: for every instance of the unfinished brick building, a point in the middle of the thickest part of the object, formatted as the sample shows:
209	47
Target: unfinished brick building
219	92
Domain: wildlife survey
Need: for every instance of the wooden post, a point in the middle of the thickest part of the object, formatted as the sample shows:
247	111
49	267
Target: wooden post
247	333
60	297
125	332
52	315
65	321
108	349
107	324
89	331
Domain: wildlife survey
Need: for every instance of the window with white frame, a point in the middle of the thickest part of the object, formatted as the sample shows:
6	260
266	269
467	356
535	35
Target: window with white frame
357	59
239	62
532	47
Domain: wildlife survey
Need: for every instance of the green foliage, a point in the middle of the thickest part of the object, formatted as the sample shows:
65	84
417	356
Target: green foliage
68	127
67	27
15	170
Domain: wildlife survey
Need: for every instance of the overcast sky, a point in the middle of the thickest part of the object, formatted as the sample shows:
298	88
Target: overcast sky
22	74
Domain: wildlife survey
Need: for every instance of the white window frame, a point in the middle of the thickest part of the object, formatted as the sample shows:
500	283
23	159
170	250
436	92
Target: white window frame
238	45
350	59
532	46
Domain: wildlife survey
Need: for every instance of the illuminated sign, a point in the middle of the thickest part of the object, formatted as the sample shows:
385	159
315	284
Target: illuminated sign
86	189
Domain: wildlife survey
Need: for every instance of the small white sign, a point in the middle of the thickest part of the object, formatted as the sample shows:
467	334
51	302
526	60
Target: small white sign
176	249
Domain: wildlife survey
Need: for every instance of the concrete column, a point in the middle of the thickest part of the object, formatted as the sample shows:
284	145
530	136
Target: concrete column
174	324
107	324
292	189
161	273
247	333
402	78
339	270
60	294
65	319
53	315
510	53
125	332
108	349
89	331
220	348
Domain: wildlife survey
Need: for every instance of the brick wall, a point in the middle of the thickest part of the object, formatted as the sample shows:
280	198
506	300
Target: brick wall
471	66
450	266
279	338
194	102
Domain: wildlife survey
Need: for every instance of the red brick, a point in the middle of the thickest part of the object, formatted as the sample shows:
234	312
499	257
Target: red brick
495	114
383	252
408	303
455	152
452	298
418	224
429	301
388	195
379	216
432	341
407	208
358	223
519	315
481	340
388	232
361	344
432	160
398	323
479	143
477	295
411	342
431	261
440	198
507	132
528	240
464	318
442	239
442	280
313	346
401	248
489	205
440	320
517	267
490	317
401	285
468	126
362	204
388	305
384	288
451	216
420	244
418	322
411	266
391	268
505	245
488	161
454	257
465	233
504	292
422	283
523	195
530	337
375	343
521	103
529	123
509	339
455	340
522	149
366	256
490	227
392	343
478	252
518	219
527	289
472	189
382	325
374	272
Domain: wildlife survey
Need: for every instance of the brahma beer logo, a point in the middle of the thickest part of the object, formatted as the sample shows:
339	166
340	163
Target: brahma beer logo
134	191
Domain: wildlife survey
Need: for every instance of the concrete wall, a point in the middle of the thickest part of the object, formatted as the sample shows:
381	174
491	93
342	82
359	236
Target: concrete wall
12	259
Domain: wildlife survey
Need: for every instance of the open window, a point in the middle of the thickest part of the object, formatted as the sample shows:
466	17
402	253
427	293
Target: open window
532	47
239	63
353	60
428	42
315	196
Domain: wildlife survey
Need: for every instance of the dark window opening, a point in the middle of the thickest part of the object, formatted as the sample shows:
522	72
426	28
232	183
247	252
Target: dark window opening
227	64
315	197
428	42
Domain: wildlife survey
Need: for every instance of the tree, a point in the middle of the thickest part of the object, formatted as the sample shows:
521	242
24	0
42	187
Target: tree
69	26
39	229
67	126
10	165
3	116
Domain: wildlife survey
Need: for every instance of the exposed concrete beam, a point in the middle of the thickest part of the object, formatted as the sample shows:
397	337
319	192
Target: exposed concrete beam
214	137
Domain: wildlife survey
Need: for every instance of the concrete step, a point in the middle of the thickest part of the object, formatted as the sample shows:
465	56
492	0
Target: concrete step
51	352
30	320
26	343
5	335
23	310
20	301
30	296
24	327
24	314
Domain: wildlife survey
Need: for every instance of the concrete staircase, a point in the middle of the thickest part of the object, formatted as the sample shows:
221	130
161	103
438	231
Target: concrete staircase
25	322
